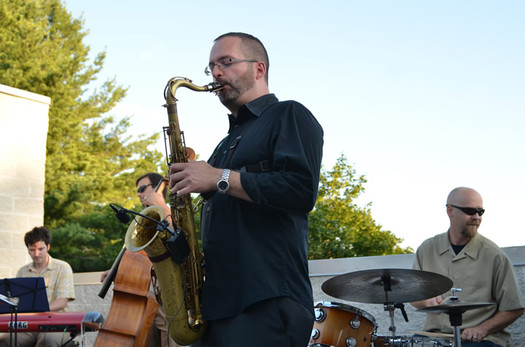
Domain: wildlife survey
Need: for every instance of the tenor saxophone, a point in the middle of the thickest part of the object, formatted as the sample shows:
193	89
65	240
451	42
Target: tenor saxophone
180	280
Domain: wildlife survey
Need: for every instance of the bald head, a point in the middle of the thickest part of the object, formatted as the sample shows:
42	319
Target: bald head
462	196
464	224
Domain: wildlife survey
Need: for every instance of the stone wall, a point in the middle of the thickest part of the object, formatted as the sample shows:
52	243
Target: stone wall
24	124
88	285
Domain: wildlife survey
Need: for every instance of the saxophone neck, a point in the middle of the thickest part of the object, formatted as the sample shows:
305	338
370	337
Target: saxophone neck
178	82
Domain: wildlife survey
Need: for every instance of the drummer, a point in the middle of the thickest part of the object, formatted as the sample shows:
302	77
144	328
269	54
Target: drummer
478	267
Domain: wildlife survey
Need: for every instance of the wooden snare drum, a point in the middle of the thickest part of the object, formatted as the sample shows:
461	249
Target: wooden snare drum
341	325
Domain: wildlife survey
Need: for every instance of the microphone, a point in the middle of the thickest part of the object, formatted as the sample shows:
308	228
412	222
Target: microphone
120	213
177	245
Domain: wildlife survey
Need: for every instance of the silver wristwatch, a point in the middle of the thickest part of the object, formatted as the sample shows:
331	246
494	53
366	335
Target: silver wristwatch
223	185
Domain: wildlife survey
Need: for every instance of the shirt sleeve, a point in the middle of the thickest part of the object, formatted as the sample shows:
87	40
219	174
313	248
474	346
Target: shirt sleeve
505	285
64	283
293	181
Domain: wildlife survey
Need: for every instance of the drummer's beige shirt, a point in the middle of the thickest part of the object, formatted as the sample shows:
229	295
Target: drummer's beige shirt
483	272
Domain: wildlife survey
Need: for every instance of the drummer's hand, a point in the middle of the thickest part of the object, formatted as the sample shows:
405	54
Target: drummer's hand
435	301
438	300
428	302
475	334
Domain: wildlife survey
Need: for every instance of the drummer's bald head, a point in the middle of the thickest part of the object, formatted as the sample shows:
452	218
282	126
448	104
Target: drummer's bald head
459	194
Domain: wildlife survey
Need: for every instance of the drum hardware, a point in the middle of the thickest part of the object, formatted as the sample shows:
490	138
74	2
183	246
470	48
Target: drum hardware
410	341
386	280
341	325
390	307
380	286
455	309
355	323
390	287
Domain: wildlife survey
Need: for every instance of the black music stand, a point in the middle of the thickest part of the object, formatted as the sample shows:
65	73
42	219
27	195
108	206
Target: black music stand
30	291
24	294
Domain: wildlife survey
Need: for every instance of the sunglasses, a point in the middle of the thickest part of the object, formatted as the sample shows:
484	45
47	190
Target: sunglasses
142	188
470	210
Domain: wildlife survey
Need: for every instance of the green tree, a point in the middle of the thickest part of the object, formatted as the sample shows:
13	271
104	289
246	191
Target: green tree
90	242
339	227
90	161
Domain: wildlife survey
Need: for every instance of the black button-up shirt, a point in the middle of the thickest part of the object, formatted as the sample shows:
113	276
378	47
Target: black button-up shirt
258	250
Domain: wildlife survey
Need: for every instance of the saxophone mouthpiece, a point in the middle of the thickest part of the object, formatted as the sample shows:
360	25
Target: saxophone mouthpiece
215	84
214	87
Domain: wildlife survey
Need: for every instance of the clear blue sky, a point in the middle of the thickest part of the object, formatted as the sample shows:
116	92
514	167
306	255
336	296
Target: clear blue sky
420	96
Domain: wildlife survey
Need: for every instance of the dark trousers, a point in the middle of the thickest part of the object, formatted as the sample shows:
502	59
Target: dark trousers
279	322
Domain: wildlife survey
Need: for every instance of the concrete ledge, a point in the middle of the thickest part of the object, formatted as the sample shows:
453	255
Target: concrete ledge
87	286
333	267
24	94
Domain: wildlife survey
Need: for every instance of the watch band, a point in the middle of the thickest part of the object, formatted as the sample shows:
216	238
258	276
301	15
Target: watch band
223	185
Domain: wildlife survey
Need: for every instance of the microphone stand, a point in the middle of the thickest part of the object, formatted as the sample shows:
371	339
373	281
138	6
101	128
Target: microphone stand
176	244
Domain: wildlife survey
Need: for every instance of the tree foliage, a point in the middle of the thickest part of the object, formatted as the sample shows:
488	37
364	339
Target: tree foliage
339	227
90	159
90	242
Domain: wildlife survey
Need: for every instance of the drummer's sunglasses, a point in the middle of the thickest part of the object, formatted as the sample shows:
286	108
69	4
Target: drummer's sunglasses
470	210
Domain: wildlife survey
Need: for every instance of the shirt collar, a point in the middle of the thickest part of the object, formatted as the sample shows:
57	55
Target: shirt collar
444	243
50	265
471	249
473	246
254	108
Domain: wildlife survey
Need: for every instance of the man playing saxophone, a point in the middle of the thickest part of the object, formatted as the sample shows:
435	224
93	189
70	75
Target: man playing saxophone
260	184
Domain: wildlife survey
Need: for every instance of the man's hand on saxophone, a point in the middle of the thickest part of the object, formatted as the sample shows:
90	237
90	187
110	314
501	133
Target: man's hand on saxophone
201	177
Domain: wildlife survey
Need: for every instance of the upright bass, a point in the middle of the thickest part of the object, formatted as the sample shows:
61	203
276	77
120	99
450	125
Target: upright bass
175	254
133	307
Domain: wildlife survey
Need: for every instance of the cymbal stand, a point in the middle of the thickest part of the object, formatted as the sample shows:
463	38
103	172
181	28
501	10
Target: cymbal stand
390	307
387	285
456	321
455	317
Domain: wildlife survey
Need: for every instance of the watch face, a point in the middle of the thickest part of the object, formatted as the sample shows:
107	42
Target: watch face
223	185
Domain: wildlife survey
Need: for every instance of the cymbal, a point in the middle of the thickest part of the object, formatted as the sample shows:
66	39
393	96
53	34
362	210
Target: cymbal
380	286
453	307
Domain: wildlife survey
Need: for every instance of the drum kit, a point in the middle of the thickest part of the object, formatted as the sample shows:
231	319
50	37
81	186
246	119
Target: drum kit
342	325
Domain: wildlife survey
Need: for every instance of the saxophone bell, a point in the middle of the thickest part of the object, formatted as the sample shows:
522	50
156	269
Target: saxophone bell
150	224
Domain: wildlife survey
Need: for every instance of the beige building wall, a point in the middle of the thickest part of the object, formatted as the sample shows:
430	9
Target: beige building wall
24	124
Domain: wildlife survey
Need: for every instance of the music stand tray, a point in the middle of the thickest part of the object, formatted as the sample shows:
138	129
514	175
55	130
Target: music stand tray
30	291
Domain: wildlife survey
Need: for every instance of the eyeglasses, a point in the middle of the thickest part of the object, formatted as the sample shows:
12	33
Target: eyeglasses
142	188
224	64
470	210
